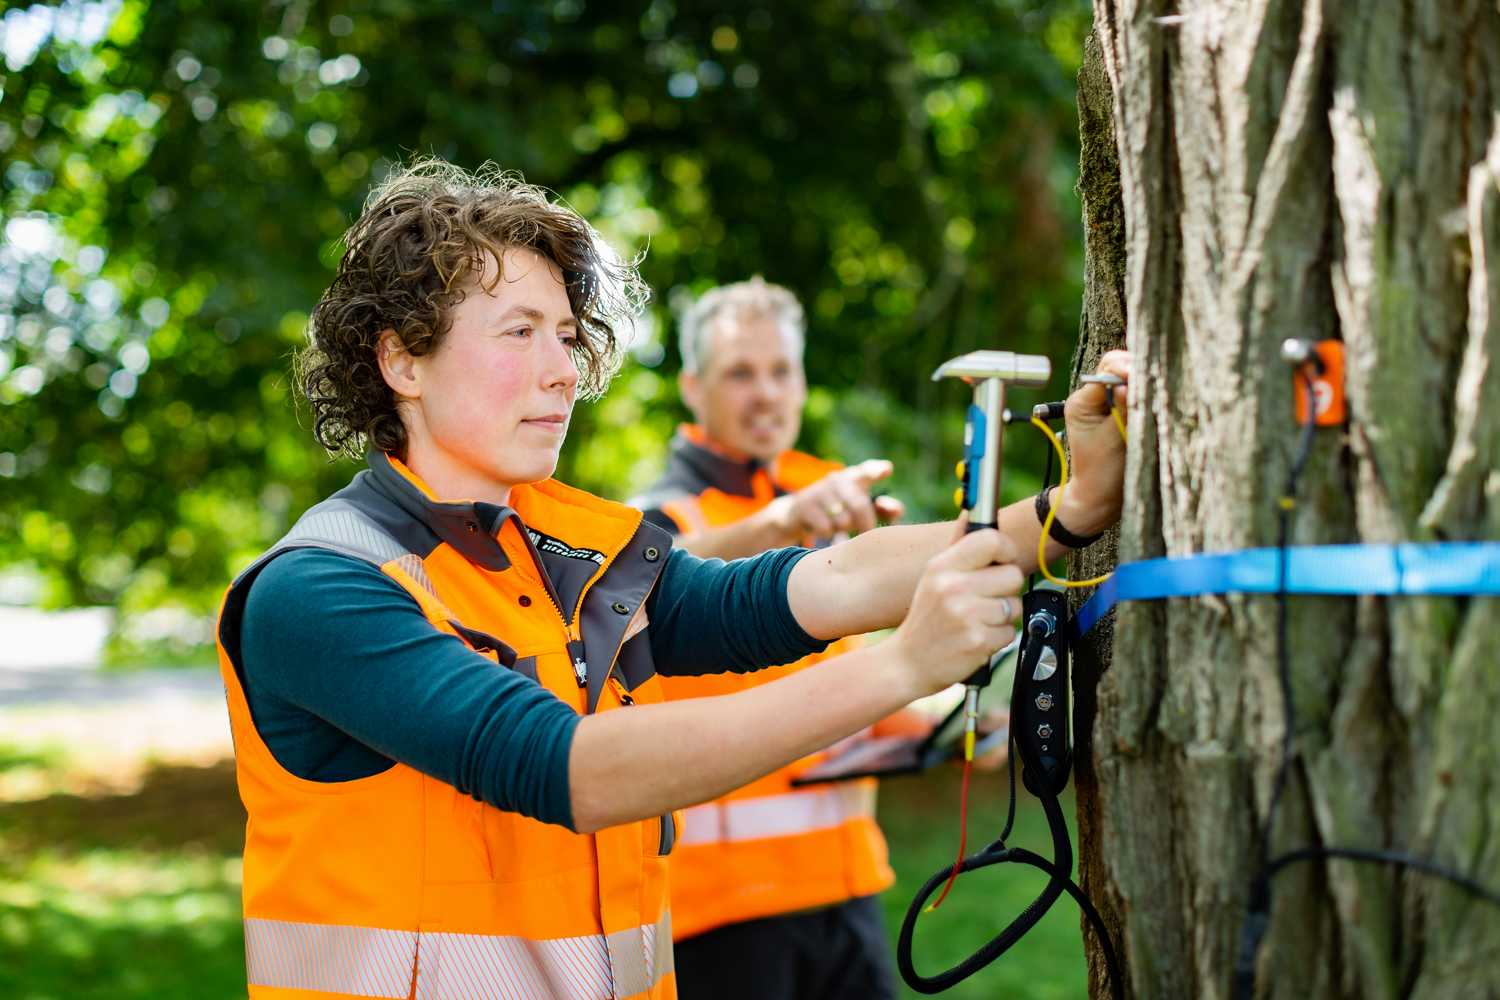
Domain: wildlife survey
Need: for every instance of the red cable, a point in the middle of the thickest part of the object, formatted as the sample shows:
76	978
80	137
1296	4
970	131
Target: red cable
963	836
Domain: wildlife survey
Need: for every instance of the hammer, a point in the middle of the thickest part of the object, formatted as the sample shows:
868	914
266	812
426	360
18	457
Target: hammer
988	372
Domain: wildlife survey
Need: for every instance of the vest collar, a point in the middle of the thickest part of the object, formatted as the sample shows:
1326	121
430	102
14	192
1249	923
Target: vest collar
710	466
470	526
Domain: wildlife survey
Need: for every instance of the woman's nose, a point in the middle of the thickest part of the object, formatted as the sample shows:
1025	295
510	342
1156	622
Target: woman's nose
562	368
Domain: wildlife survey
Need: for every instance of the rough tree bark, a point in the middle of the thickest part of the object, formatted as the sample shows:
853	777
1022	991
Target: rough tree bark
1253	170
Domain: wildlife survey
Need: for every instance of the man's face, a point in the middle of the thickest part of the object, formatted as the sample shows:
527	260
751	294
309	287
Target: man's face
748	396
494	400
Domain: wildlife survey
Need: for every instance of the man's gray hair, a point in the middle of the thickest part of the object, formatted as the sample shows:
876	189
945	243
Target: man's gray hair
753	299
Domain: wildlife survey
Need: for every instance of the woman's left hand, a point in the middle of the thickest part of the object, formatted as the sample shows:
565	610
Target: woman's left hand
1096	476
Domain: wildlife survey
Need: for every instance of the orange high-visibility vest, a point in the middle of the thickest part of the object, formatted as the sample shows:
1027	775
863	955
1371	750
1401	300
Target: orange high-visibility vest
767	848
397	884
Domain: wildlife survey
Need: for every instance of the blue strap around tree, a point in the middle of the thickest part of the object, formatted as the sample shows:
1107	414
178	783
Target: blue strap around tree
1434	568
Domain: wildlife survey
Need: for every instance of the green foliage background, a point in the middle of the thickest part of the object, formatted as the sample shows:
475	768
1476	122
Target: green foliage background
177	176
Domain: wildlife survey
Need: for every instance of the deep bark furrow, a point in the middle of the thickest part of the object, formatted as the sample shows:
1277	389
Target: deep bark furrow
1102	326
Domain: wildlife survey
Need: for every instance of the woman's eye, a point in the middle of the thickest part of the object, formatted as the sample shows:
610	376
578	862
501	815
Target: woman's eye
520	331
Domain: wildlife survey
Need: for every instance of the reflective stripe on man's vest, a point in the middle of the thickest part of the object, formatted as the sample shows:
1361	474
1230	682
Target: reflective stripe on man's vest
817	807
398	885
767	848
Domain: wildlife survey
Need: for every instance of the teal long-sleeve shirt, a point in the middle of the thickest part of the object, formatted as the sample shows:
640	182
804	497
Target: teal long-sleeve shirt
345	676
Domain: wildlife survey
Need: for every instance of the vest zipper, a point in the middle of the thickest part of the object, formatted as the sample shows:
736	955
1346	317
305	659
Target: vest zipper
573	641
580	665
571	637
571	629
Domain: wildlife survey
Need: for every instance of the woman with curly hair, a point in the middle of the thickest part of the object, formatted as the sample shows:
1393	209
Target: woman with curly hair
443	681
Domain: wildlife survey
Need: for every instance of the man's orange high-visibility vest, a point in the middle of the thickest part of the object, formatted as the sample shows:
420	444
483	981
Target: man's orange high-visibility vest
767	848
398	885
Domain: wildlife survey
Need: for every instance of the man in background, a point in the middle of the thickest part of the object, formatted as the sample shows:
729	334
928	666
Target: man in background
773	887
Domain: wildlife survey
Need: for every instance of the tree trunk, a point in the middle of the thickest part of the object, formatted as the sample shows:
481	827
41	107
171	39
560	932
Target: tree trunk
1318	169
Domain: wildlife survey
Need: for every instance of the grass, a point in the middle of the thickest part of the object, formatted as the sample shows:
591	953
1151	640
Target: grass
134	893
123	895
920	818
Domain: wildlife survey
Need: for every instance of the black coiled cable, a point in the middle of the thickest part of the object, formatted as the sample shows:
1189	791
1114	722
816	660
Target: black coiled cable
1059	870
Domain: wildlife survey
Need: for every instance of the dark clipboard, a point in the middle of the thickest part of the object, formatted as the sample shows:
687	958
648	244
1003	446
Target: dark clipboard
890	756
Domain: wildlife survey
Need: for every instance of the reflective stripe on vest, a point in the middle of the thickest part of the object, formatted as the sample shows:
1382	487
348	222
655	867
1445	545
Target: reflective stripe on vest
372	962
333	958
813	808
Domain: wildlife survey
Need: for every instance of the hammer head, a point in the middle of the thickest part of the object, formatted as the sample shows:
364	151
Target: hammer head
1015	369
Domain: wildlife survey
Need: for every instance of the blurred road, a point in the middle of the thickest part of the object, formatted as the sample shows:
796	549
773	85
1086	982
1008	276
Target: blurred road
81	686
108	724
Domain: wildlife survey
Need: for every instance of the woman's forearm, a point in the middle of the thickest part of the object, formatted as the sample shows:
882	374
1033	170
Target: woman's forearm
643	760
639	761
866	583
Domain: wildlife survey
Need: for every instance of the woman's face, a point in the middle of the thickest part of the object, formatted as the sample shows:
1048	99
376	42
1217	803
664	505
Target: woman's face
489	408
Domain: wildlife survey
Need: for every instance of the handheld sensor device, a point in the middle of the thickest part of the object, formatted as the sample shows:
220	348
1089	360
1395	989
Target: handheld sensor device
1039	699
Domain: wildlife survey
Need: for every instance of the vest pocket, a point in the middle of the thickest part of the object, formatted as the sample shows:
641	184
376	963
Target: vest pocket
483	642
667	832
487	645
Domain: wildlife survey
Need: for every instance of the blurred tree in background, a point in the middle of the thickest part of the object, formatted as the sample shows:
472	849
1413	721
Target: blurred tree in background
176	177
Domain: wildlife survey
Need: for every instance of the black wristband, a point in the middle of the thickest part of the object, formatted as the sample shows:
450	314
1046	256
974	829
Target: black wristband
1057	531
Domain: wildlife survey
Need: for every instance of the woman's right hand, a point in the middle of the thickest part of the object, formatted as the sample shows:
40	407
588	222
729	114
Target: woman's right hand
964	609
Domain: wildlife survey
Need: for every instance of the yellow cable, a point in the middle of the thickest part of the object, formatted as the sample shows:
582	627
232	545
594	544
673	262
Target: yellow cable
1062	484
1120	423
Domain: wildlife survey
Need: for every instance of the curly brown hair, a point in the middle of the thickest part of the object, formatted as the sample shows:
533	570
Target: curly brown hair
416	250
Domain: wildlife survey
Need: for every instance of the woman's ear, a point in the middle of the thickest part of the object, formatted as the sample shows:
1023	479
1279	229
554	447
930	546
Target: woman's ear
397	365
